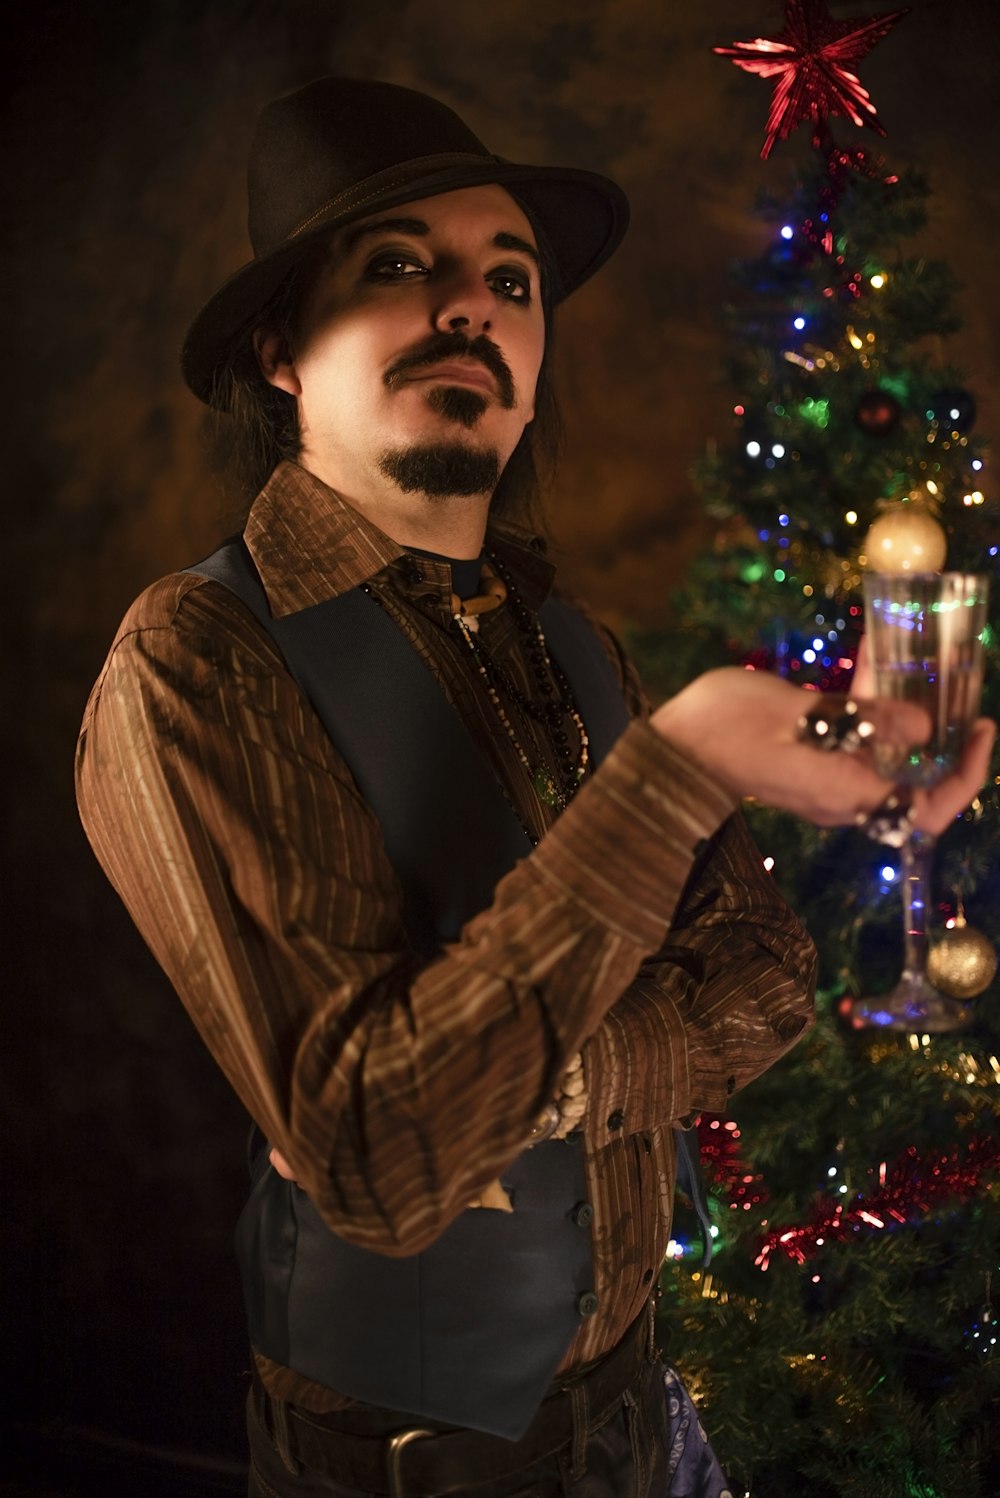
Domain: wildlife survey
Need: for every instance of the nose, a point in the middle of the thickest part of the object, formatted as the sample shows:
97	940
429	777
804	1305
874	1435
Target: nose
463	301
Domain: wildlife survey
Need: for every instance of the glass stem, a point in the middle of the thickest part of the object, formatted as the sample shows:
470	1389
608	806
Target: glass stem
918	856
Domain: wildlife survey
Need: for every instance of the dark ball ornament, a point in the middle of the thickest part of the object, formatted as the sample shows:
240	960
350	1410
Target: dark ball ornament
953	410
878	412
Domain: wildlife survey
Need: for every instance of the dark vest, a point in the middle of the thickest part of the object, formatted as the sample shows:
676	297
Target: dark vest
471	1330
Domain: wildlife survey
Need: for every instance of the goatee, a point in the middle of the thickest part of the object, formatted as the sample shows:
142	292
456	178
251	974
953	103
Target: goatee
442	468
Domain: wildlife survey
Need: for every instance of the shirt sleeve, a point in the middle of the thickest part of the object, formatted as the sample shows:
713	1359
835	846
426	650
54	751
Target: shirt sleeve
729	991
236	837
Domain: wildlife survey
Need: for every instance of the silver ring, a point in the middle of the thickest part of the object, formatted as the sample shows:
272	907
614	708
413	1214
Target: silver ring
843	729
890	823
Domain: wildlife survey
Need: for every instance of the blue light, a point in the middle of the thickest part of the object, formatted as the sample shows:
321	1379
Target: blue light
888	873
824	218
993	551
764	535
817	643
799	324
787	231
977	463
782	519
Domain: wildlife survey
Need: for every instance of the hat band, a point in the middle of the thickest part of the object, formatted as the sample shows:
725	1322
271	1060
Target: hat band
396	176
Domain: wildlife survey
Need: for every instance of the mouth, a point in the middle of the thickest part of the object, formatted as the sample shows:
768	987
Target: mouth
474	375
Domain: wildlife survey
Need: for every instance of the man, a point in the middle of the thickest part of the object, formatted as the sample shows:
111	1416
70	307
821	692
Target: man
466	931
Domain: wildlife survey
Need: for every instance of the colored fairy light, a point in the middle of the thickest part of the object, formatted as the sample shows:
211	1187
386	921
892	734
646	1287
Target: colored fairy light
787	231
753	449
993	551
851	517
888	873
878	281
809	656
832	1170
779	574
779	452
782	519
800	323
768	864
977	463
739	411
817	644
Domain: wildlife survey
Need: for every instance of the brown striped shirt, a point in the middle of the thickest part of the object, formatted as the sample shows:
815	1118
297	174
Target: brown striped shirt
398	1088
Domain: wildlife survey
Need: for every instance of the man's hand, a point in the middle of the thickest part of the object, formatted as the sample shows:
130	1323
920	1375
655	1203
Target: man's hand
741	726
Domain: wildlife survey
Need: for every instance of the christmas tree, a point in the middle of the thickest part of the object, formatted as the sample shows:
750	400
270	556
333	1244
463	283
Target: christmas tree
844	1339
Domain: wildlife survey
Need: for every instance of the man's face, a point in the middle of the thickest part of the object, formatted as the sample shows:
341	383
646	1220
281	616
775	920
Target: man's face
422	333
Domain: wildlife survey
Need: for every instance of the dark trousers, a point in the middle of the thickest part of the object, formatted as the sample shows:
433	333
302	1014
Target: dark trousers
652	1447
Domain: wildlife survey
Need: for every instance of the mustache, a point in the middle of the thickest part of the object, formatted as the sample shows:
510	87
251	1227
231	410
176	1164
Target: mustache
440	347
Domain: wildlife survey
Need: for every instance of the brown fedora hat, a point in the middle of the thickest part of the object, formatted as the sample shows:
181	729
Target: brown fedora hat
340	149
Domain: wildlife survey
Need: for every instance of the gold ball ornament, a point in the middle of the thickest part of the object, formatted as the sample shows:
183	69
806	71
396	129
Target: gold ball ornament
962	962
906	538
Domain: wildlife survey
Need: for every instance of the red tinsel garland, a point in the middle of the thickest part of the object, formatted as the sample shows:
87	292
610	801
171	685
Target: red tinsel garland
904	1194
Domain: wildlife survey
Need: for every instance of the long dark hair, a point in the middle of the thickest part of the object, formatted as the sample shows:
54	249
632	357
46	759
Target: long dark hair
255	426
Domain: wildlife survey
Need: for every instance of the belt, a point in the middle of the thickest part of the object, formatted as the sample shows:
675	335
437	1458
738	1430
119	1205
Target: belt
415	1461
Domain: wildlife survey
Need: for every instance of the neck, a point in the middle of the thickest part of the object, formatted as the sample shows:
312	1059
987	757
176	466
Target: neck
451	525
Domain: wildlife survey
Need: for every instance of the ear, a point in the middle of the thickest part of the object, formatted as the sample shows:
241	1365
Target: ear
276	359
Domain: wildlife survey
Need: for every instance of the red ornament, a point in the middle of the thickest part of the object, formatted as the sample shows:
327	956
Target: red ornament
809	61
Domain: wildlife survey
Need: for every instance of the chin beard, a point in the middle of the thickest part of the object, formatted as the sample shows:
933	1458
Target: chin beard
441	469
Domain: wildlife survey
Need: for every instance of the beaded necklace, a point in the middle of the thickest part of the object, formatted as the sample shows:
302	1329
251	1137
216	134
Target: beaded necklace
556	703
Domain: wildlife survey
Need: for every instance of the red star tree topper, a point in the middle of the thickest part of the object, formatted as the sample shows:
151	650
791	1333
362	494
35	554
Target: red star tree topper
809	62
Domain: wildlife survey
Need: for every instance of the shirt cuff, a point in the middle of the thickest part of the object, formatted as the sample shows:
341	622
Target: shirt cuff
624	848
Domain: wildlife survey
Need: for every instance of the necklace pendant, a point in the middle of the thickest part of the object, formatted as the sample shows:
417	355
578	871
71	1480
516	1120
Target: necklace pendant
546	789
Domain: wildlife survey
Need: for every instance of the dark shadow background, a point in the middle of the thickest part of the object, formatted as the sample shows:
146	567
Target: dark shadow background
125	133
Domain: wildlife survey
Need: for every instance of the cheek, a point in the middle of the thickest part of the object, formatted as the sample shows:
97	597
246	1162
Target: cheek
527	373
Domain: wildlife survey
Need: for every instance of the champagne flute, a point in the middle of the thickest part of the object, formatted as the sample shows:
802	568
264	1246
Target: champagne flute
925	645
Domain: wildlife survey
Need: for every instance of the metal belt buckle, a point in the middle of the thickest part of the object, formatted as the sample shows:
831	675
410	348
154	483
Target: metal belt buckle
394	1457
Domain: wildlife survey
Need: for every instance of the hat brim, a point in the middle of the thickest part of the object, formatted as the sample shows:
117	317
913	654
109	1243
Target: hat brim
583	215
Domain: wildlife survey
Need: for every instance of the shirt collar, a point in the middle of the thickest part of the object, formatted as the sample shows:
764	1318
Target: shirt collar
309	545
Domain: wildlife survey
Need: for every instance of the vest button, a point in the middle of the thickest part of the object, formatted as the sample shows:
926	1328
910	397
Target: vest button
616	1119
587	1303
583	1214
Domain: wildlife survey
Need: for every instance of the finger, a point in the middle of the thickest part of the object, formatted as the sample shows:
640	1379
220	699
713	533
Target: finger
281	1165
863	681
884	719
937	807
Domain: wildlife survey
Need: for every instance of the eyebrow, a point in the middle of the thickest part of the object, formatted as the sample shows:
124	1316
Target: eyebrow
418	227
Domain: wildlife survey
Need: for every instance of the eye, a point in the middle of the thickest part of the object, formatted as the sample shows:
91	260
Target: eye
511	282
393	265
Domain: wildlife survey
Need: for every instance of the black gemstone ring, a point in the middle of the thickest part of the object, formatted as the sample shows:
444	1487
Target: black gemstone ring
843	728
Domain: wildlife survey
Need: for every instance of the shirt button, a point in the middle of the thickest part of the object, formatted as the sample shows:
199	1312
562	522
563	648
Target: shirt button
583	1214
587	1303
616	1119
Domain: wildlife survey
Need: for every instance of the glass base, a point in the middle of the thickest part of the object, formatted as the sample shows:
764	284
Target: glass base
914	1005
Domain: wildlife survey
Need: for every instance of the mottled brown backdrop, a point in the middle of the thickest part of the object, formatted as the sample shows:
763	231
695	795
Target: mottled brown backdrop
125	134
